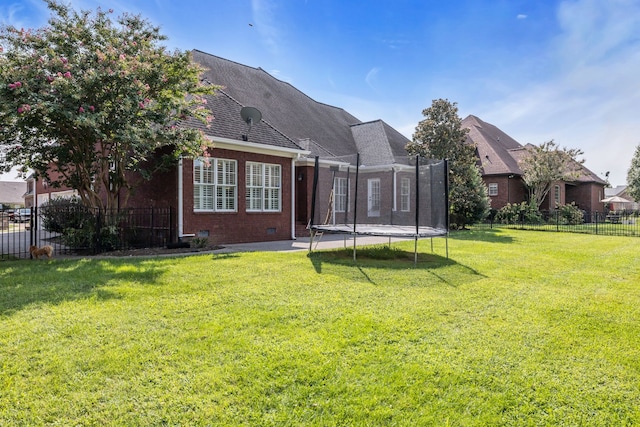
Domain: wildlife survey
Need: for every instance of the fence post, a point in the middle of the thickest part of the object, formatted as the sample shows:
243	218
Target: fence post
98	238
32	240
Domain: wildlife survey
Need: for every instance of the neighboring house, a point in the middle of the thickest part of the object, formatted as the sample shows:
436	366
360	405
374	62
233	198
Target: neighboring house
12	186
498	157
39	192
256	182
620	191
11	194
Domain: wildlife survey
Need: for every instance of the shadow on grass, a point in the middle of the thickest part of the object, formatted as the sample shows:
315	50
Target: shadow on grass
481	234
25	283
382	257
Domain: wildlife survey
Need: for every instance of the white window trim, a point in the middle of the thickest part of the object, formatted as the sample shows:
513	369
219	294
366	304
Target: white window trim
216	185
493	186
405	196
339	195
264	186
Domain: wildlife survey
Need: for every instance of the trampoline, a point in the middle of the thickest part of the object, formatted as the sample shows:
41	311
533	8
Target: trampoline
407	199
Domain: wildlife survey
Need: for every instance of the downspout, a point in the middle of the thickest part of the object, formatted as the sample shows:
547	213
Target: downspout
395	189
293	198
180	200
35	199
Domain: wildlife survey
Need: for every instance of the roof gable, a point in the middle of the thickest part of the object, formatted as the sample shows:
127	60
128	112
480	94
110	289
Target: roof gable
494	147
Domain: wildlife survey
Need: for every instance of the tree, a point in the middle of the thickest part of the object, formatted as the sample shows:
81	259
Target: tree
633	176
545	164
85	101
441	136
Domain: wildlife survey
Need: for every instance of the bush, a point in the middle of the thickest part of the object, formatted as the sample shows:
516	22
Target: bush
199	242
62	214
571	214
519	213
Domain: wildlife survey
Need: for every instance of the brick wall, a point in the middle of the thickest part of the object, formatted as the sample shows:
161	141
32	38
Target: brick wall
510	190
240	226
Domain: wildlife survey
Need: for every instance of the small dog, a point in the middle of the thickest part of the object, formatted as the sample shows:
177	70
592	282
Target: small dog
37	252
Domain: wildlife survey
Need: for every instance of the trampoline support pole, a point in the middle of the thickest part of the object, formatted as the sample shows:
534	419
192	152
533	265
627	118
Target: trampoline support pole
446	239
313	234
354	247
415	251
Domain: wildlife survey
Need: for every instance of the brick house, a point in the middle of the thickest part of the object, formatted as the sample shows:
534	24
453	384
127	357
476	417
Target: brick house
256	183
498	157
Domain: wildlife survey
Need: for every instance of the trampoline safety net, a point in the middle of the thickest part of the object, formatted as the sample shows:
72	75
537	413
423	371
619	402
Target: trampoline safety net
406	199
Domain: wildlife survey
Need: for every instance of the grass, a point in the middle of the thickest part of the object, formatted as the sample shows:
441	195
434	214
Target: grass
515	328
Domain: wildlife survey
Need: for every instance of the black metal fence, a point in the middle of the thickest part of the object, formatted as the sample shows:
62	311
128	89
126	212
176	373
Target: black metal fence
75	230
625	223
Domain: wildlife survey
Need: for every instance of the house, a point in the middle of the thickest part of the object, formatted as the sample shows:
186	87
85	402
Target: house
11	194
498	158
255	184
12	186
621	192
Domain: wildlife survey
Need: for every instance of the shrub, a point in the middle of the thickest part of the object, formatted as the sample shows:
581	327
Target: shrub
523	212
571	214
61	214
199	242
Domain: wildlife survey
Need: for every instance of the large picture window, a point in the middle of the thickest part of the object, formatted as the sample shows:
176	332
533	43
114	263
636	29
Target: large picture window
215	186
264	187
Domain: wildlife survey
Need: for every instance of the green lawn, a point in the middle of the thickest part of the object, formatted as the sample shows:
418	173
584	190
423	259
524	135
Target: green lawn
515	328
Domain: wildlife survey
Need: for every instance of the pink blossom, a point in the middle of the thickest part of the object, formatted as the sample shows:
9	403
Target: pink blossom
64	60
11	86
141	105
24	108
67	74
50	79
80	110
122	57
92	108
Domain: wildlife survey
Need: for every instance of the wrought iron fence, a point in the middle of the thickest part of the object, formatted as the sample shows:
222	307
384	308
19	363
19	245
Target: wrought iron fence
76	230
623	223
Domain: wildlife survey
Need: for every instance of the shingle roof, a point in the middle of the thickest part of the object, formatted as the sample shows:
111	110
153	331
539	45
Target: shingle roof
323	129
229	124
494	147
499	154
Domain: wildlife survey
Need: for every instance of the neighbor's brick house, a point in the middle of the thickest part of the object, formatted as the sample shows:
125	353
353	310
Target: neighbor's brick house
498	157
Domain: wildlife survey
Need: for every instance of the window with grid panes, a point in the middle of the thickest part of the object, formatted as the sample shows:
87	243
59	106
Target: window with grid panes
263	187
405	189
340	194
215	185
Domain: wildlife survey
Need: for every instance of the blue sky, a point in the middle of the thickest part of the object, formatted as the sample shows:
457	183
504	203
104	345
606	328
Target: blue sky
537	69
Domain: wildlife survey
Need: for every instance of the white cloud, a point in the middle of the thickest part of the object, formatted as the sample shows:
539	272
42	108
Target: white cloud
20	14
264	19
371	77
591	99
521	16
